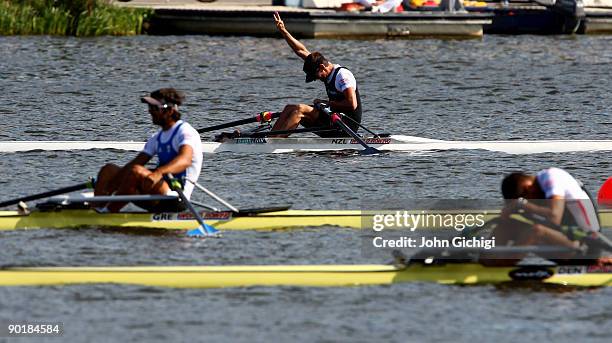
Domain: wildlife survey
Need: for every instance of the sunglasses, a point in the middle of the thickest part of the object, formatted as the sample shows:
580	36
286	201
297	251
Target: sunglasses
158	107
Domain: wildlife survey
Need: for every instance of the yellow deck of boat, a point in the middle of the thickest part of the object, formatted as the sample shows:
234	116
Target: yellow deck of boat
296	275
11	220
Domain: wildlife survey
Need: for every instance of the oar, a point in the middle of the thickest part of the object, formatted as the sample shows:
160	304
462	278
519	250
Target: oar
84	185
376	135
261	117
590	237
335	118
202	230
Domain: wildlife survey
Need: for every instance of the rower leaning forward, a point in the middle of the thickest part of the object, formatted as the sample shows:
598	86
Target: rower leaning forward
178	148
553	199
340	85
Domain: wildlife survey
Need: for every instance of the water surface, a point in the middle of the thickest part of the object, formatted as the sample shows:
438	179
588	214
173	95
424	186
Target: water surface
499	87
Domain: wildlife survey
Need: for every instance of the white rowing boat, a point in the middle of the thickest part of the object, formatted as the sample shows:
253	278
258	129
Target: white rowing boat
314	144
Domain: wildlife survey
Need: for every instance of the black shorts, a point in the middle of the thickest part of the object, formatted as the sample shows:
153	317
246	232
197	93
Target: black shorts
324	121
175	205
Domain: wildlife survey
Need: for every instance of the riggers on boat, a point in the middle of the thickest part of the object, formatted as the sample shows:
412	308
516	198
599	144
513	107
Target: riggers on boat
61	210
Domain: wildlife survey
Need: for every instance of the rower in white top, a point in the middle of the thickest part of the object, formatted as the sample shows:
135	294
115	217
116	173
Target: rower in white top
553	199
340	86
178	148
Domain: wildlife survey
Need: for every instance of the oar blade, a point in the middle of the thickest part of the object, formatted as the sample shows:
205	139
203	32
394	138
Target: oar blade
204	231
370	151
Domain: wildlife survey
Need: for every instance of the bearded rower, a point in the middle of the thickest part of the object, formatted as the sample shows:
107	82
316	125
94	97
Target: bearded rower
340	85
552	194
179	151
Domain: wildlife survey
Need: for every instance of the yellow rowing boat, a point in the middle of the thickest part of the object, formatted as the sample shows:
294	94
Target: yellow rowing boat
11	220
307	275
285	219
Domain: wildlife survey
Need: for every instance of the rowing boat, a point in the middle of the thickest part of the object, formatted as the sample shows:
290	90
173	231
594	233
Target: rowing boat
307	275
312	144
225	220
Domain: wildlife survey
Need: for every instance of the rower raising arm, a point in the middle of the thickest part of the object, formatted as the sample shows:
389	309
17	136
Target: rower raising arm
295	44
340	86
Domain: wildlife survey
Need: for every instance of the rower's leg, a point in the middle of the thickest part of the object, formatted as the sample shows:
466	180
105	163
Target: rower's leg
311	117
513	232
108	179
133	183
292	115
288	120
516	233
128	184
507	232
544	235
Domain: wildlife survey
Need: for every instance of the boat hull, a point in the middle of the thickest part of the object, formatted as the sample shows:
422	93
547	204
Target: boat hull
277	220
12	220
302	144
305	275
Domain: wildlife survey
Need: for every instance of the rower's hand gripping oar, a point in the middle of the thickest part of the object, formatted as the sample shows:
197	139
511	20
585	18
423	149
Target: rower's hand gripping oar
337	120
204	230
591	238
77	187
260	118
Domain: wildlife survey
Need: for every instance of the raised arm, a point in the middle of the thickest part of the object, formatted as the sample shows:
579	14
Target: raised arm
295	44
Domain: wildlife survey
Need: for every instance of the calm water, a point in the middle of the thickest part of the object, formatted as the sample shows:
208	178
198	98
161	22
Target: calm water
495	88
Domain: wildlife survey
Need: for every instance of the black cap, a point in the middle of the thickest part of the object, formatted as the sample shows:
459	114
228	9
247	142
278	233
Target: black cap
311	65
164	96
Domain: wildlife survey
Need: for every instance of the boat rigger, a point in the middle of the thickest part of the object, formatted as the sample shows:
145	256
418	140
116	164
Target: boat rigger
308	275
398	143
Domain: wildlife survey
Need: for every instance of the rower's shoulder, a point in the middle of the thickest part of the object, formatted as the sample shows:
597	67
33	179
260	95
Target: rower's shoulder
186	127
154	135
553	173
189	135
344	72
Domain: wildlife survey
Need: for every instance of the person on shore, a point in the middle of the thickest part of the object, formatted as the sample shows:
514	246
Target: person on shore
178	148
380	6
553	195
340	85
